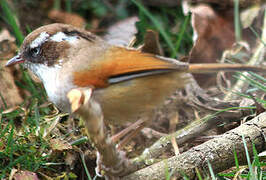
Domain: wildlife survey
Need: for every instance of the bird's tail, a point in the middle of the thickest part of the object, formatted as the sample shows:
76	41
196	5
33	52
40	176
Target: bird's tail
215	67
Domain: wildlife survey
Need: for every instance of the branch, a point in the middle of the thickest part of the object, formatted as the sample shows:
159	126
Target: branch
218	151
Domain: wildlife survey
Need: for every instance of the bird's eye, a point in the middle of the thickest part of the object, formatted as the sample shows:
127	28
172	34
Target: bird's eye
35	51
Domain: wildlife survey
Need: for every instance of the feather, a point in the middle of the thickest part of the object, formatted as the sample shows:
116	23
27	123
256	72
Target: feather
120	64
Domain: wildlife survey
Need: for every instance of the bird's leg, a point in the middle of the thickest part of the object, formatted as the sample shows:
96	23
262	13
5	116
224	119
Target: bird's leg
109	159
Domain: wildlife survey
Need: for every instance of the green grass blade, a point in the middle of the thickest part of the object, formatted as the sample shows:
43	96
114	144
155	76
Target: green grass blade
158	26
181	33
254	82
166	170
12	22
249	97
79	141
85	166
37	117
4	131
258	76
257	35
211	171
198	174
10	142
57	5
28	29
237	22
247	156
68	6
256	161
224	110
3	100
236	160
168	174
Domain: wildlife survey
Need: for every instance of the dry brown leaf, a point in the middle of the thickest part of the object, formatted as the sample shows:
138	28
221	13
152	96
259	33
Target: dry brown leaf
67	18
25	175
151	43
214	33
248	16
10	95
7	45
59	145
122	32
71	158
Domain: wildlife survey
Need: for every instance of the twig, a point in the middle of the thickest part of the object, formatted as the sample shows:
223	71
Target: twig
172	128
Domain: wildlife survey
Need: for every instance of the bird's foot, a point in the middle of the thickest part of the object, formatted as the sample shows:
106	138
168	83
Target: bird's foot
115	171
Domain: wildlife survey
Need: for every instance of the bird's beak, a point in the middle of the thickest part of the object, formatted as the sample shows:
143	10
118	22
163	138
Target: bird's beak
15	60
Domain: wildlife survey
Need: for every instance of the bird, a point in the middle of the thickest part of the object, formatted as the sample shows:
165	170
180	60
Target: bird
126	82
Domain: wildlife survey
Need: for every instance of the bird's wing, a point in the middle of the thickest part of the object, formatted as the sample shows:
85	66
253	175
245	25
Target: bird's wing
121	64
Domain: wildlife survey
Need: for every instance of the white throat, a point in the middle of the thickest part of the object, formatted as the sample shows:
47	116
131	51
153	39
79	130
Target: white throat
49	77
56	87
47	74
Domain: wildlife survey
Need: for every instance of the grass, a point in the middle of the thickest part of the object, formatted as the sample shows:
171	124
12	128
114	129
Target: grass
160	22
20	147
257	82
158	26
24	147
11	20
27	83
238	28
252	171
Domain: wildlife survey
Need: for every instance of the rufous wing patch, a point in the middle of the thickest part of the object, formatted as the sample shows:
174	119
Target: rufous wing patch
118	61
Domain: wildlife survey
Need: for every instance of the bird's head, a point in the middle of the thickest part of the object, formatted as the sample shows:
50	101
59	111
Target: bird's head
49	46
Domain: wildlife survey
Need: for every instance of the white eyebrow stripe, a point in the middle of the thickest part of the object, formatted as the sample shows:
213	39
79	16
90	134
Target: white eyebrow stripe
60	36
40	40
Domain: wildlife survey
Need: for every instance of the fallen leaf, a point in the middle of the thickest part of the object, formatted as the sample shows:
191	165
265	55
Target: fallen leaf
151	43
122	33
25	175
59	145
70	159
7	45
248	16
214	33
67	18
9	93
